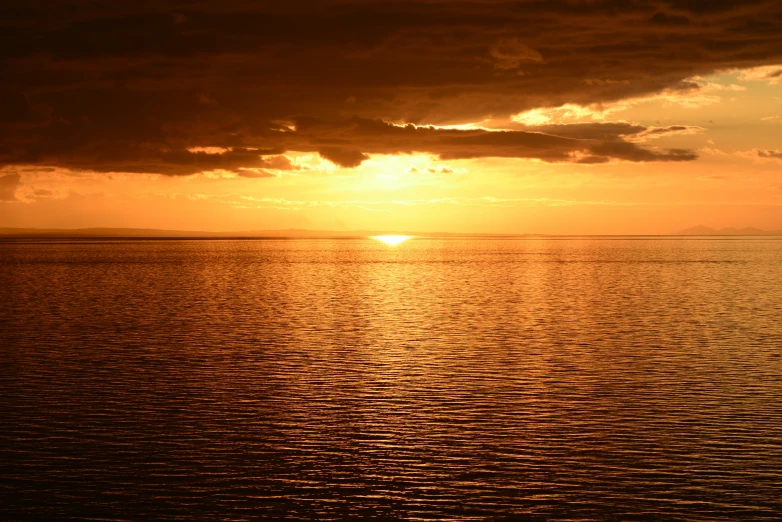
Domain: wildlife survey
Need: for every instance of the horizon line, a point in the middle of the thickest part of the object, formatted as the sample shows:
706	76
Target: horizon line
298	233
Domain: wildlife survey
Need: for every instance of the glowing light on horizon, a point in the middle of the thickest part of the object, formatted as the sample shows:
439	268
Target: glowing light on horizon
391	240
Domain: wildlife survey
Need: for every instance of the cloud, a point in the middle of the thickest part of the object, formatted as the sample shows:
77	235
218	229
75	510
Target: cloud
769	154
254	173
442	169
593	160
664	19
241	201
671	130
104	156
712	151
343	157
771	74
758	155
631	152
187	162
589	130
689	95
136	86
556	143
510	53
550	143
8	185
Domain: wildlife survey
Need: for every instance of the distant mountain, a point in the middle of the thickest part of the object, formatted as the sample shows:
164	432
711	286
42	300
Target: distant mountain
99	232
701	230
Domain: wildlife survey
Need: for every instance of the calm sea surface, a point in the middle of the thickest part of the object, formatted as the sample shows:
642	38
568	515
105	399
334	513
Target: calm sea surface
536	379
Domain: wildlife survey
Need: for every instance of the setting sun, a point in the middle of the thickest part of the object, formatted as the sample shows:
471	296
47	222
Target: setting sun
391	240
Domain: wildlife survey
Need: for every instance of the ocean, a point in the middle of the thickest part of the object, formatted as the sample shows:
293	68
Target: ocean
581	378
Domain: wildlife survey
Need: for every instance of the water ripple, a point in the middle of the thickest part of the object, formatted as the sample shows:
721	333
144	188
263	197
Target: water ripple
582	379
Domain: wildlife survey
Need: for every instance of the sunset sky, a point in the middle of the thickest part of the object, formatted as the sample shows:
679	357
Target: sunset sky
555	117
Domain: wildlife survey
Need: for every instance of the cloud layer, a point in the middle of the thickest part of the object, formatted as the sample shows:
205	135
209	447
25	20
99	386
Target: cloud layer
133	87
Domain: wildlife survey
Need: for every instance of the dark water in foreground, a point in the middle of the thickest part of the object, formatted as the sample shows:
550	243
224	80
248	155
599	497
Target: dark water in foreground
585	379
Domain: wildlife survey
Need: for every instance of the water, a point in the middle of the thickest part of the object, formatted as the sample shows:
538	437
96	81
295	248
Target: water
538	379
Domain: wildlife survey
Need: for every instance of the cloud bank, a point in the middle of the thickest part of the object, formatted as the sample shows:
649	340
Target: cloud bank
133	87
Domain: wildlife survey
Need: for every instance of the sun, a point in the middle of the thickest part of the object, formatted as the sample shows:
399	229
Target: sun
391	240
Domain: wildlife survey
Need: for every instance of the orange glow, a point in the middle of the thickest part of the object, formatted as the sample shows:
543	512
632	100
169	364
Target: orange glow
391	240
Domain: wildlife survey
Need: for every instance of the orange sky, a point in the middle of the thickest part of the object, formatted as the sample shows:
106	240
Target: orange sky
568	118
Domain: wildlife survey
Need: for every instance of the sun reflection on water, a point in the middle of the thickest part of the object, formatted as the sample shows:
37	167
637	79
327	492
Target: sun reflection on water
391	240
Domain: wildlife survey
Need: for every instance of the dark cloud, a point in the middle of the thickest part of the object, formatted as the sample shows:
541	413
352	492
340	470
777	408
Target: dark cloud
111	156
133	85
671	20
658	132
595	131
673	129
343	157
188	162
553	143
510	53
608	130
631	152
593	160
8	186
773	154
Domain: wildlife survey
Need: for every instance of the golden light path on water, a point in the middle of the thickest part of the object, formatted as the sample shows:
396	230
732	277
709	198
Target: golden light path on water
391	240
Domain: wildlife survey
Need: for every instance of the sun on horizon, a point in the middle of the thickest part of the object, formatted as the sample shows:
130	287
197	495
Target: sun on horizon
391	240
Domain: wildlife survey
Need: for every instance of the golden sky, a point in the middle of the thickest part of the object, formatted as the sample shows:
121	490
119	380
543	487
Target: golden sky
562	117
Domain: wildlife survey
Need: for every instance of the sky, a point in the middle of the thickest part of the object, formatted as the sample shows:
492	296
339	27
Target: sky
549	117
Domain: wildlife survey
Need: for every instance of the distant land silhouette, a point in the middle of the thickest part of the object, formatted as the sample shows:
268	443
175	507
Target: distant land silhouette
701	230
